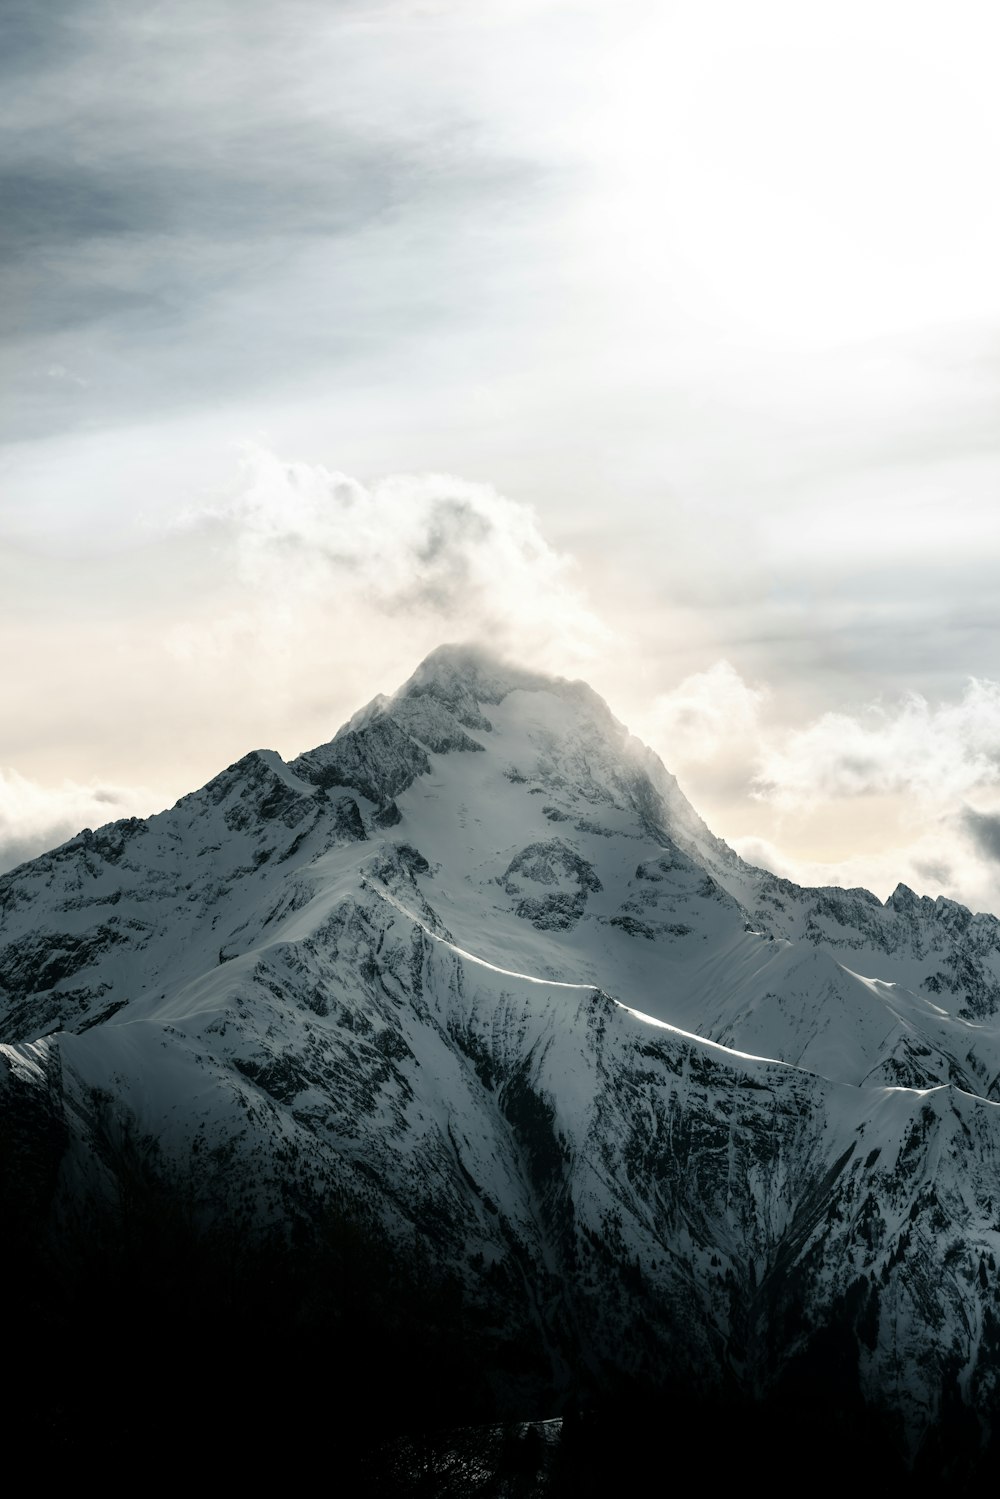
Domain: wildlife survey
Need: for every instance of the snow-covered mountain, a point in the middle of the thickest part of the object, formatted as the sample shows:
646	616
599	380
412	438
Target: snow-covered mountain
477	965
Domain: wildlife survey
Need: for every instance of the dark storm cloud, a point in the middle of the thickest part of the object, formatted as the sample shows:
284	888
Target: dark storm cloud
35	36
280	180
167	173
35	817
983	828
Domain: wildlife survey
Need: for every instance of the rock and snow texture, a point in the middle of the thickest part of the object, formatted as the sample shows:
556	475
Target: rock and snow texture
478	962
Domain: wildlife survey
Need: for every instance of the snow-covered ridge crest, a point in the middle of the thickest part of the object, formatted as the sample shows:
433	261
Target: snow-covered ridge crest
445	706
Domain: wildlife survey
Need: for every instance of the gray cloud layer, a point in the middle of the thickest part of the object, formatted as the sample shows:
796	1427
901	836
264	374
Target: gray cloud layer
983	828
198	197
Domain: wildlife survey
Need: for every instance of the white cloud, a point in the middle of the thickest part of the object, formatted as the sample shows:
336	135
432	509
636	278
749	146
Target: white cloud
710	713
927	864
410	555
60	372
913	764
889	779
947	860
34	818
937	754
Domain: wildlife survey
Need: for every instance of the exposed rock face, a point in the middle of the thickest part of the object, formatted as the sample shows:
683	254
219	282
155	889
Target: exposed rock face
477	963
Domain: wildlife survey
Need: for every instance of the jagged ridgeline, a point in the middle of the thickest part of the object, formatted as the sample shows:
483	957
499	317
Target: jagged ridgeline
461	1046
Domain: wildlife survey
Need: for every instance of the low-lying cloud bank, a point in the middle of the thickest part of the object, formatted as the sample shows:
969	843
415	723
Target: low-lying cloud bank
317	591
918	761
910	747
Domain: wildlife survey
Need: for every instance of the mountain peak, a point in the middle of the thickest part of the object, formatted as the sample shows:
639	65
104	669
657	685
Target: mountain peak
434	711
457	674
492	979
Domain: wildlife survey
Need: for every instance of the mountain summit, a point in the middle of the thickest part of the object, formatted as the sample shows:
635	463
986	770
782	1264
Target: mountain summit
476	969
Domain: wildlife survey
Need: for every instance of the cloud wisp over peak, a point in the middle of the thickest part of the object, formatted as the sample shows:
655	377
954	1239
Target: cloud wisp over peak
447	554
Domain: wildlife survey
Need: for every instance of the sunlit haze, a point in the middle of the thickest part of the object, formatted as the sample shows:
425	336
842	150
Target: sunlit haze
657	344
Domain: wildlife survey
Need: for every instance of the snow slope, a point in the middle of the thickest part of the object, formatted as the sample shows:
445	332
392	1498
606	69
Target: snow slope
478	961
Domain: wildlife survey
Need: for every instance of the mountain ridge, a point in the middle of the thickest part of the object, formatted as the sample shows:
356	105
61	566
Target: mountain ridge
477	965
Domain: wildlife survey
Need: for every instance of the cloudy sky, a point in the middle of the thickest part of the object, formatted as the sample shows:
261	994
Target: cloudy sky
657	342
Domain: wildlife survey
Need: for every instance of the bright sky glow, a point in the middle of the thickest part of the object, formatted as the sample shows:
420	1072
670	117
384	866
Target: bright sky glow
808	176
690	310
